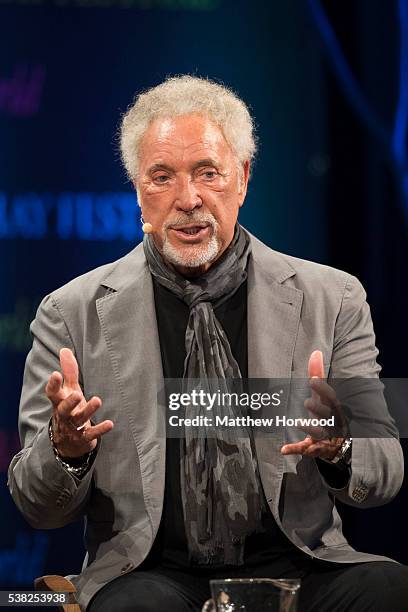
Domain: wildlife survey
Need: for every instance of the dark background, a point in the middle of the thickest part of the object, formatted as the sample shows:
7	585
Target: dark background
329	183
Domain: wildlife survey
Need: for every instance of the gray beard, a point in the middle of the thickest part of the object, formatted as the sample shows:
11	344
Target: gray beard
193	256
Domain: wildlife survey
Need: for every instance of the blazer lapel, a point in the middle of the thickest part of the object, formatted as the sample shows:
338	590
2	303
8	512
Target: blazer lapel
273	320
128	320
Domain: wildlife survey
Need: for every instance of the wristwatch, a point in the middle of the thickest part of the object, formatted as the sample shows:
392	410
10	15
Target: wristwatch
344	453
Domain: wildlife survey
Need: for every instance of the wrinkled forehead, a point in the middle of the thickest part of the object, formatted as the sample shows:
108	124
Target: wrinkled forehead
186	135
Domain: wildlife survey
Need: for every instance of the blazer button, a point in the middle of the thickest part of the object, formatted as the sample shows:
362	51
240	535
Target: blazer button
126	568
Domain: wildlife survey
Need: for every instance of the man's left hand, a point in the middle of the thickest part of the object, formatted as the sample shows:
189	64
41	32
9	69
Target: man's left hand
322	404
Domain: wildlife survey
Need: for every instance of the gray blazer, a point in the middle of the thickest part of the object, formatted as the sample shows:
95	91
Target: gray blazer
107	317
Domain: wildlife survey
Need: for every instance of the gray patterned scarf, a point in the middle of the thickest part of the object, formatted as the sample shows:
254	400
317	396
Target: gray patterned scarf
220	487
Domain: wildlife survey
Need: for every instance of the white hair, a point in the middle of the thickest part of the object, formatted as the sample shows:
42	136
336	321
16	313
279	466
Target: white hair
184	95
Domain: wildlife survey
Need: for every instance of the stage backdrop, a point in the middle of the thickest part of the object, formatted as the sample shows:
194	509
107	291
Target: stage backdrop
68	70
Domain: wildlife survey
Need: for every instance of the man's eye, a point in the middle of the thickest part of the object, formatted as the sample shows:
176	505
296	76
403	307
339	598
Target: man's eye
209	174
161	178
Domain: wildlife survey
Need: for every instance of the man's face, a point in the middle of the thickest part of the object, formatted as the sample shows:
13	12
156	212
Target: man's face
190	190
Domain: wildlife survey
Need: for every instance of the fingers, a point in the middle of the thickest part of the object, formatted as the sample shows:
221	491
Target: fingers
326	393
96	431
69	367
53	388
73	433
325	449
75	411
324	403
297	448
315	367
66	407
318	409
82	413
317	433
59	386
316	449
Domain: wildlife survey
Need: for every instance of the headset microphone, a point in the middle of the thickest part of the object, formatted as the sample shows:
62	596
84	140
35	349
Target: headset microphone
147	228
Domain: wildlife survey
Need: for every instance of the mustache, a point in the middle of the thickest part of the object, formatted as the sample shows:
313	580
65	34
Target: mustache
183	219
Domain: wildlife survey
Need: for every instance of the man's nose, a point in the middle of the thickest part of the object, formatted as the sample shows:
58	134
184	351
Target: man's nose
188	197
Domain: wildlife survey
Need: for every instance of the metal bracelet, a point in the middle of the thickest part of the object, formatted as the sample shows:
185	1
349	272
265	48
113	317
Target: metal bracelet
76	471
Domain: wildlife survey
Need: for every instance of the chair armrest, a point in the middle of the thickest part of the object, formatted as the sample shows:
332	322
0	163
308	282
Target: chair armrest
58	584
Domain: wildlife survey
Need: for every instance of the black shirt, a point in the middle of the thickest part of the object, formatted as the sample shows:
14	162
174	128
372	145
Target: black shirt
170	546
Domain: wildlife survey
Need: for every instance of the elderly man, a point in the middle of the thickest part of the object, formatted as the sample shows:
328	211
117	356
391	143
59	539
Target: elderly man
200	298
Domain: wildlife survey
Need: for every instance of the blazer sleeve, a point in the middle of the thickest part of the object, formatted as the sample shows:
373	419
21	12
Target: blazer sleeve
47	495
377	464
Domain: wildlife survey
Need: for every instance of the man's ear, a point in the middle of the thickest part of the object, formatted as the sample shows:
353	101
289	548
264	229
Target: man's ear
243	182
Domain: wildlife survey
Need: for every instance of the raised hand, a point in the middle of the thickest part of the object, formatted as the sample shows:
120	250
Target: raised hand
73	433
322	404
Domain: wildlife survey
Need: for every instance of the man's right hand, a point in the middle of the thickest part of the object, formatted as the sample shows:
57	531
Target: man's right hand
71	410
